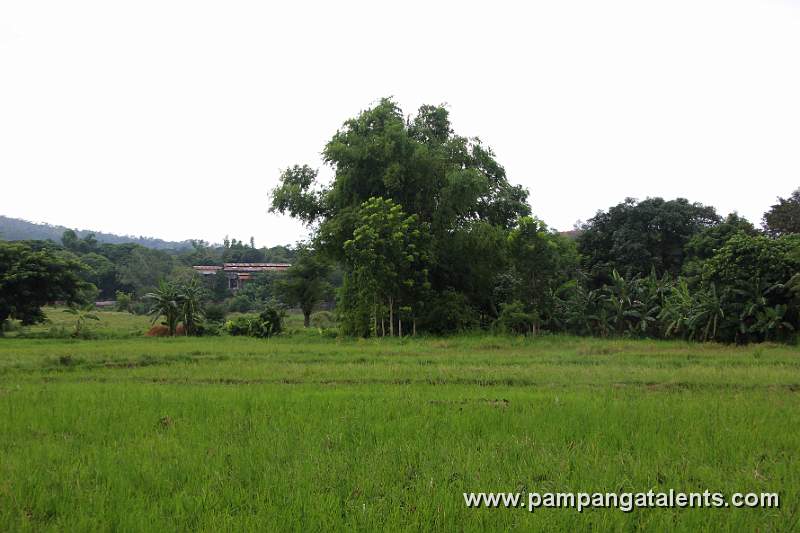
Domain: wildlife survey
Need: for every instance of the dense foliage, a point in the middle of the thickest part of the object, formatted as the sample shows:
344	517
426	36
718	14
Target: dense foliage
404	192
420	230
266	324
634	237
31	278
783	218
429	233
305	284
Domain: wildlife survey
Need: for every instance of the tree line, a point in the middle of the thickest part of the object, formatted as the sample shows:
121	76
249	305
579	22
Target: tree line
81	270
421	231
431	236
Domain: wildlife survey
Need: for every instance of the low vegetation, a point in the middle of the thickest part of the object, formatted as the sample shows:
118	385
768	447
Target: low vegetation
301	431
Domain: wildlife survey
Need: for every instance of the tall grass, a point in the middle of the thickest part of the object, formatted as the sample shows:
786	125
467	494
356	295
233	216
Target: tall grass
307	433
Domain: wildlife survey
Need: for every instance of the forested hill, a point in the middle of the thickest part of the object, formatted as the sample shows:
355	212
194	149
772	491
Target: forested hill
15	229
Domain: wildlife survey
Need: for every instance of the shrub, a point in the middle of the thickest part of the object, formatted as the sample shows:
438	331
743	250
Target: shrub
8	326
124	302
514	319
238	326
329	333
216	312
449	312
267	324
208	329
323	320
240	304
270	322
140	308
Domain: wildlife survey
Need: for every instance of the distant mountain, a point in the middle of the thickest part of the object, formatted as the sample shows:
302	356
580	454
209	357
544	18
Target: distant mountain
16	229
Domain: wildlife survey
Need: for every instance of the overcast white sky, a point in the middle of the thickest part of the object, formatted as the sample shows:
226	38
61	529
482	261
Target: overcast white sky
173	119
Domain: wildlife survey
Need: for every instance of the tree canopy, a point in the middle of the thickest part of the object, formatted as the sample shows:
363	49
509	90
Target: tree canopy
30	279
783	218
634	237
394	178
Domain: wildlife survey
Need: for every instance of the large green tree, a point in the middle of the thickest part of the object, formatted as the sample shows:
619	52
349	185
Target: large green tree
756	276
143	269
634	237
784	217
305	284
704	244
541	260
388	266
101	272
450	183
30	279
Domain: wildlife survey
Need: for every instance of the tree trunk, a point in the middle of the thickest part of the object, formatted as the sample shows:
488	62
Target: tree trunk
374	316
306	319
414	327
399	327
391	316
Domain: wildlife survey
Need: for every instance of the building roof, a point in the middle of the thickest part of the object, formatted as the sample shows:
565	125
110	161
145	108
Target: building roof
254	267
207	269
241	267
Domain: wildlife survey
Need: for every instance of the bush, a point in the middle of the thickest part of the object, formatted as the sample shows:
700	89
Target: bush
270	322
329	333
323	320
209	329
238	326
124	302
514	319
449	312
140	308
240	304
216	312
8	326
267	324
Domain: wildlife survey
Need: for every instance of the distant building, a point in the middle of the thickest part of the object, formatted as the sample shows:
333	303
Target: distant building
240	273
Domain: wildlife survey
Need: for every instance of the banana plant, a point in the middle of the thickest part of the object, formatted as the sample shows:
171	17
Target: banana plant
620	301
772	324
677	310
707	314
82	314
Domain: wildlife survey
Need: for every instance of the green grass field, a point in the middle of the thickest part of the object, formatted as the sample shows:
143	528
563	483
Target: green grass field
308	433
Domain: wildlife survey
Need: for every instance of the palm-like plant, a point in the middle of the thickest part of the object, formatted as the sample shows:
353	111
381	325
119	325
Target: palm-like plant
677	309
620	301
167	302
579	311
191	305
753	303
772	323
707	314
82	314
647	302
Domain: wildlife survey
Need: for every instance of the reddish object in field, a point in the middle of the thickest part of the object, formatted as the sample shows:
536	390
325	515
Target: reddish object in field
160	330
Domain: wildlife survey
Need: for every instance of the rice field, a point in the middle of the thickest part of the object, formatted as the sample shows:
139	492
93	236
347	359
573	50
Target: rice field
304	432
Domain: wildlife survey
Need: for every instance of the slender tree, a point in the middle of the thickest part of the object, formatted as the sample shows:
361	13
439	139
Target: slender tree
305	283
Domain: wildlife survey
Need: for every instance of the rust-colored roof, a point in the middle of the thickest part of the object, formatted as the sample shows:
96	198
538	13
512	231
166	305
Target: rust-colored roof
242	267
207	269
254	267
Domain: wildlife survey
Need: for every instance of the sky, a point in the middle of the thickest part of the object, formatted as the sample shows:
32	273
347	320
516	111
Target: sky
173	119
